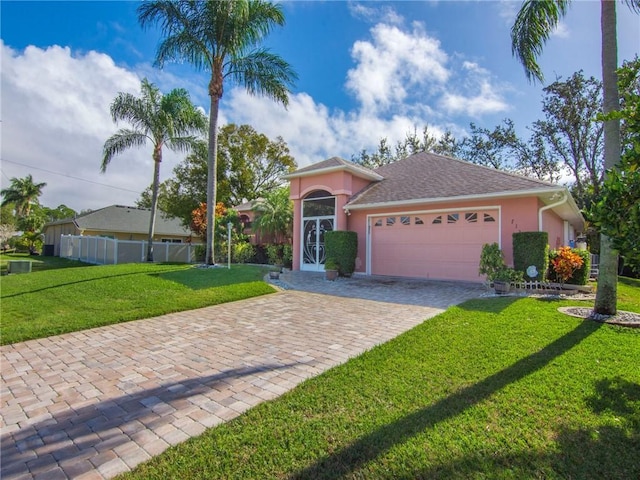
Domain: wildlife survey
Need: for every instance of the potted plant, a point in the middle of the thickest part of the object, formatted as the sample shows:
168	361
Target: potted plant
331	269
491	261
502	281
504	278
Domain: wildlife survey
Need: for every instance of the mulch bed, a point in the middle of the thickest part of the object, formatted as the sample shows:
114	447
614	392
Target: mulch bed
622	318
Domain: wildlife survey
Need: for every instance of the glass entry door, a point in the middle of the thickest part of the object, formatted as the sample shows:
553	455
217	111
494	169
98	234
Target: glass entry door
313	251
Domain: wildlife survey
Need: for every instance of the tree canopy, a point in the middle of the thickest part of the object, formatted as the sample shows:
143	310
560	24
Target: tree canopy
250	165
617	211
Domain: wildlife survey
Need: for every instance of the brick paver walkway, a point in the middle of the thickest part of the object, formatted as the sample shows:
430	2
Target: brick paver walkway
96	403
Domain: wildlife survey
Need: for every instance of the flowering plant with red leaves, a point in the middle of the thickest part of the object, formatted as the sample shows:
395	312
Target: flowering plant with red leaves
566	263
199	218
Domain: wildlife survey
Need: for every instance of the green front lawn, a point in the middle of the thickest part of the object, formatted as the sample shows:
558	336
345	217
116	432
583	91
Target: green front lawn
59	300
38	263
494	388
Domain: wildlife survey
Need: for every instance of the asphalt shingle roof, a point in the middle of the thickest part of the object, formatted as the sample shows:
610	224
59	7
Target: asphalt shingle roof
335	162
119	218
429	176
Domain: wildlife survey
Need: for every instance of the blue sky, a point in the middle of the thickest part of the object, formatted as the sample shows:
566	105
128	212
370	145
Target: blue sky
366	70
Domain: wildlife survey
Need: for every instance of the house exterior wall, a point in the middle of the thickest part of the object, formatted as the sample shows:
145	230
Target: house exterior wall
52	234
554	226
516	215
158	237
341	184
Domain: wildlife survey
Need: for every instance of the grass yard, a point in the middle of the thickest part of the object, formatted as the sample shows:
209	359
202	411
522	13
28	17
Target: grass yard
56	300
493	388
38	263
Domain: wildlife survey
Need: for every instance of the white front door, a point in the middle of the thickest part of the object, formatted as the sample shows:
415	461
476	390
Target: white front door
313	251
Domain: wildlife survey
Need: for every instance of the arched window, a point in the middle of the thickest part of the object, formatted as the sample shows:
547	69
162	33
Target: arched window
319	204
245	220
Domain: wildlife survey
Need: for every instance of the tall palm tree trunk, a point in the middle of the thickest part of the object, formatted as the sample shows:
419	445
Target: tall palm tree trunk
212	161
608	276
157	159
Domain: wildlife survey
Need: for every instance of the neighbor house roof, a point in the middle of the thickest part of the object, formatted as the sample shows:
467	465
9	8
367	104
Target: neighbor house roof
119	218
247	205
334	164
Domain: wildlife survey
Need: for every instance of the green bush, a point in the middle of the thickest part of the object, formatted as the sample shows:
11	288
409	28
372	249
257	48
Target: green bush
342	246
200	252
243	252
331	264
287	255
531	248
274	254
491	261
581	275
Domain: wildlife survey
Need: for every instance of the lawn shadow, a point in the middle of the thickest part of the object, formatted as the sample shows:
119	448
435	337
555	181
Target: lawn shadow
75	282
345	462
601	452
71	434
495	304
199	279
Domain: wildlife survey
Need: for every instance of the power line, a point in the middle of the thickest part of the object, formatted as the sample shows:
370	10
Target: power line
67	175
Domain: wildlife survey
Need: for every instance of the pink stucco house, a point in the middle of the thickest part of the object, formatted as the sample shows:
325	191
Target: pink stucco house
425	216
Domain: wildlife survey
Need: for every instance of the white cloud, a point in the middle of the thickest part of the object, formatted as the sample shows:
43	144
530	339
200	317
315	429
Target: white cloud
55	117
486	101
561	30
394	64
313	132
507	10
55	110
484	97
384	14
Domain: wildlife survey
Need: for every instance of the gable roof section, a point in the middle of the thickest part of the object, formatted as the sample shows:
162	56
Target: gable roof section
427	177
335	164
119	218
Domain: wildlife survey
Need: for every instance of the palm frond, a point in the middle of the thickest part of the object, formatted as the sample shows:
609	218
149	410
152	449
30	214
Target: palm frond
183	144
533	26
122	140
633	5
264	73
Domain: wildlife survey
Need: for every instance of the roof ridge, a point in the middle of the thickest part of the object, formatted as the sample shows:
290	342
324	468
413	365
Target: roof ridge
489	169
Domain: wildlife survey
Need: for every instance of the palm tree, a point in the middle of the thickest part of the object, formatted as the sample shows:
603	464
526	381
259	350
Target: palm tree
275	215
222	37
533	26
166	120
22	193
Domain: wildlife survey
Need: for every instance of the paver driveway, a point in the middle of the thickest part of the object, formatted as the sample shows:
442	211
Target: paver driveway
95	403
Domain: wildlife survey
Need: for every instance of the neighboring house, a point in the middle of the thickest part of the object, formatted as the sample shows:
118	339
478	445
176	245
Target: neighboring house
425	216
247	216
118	222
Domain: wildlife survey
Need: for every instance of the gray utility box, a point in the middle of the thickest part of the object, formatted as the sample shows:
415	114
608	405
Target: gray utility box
19	266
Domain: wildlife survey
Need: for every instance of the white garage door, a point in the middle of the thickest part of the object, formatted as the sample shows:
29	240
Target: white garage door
436	245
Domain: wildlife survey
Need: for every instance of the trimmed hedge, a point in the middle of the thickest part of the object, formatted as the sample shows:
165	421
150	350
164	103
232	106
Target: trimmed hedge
531	248
581	275
342	247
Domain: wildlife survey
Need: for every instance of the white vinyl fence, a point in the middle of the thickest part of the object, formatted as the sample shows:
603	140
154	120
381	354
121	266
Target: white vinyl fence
103	250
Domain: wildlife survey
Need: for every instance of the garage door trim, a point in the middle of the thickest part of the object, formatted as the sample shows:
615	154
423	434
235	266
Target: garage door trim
372	216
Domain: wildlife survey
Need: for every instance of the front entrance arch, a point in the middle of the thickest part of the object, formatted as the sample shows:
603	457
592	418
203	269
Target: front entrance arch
318	217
